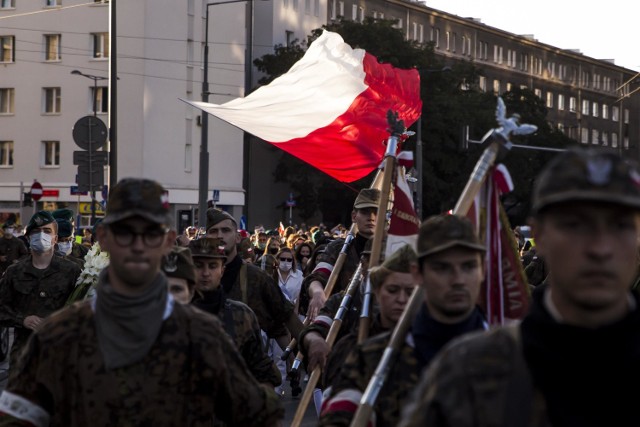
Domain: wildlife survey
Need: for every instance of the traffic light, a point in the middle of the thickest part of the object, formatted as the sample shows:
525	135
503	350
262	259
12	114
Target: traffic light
27	200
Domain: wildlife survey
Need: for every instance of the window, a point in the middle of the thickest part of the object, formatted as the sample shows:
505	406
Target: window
625	143
7	49
585	107
496	87
605	111
354	12
437	38
615	114
584	136
52	3
102	99
51	100
316	7
340	8
560	102
361	14
50	154
464	45
307	7
447	36
482	82
52	47
101	45
454	42
595	111
594	136
6	100
538	93
421	33
626	116
6	153
614	140
572	104
8	4
549	102
605	139
334	9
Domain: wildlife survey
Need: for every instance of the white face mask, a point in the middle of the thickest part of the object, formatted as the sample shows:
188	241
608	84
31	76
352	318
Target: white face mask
285	266
40	242
10	230
65	247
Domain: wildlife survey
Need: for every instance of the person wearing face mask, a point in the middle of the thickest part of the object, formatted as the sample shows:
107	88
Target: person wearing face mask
65	244
289	277
37	285
11	248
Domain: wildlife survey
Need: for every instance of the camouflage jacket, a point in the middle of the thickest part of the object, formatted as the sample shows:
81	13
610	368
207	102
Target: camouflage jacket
192	374
79	251
13	249
401	377
241	324
261	294
324	267
26	290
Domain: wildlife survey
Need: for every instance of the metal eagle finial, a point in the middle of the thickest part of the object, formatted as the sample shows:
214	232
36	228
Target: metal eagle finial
510	125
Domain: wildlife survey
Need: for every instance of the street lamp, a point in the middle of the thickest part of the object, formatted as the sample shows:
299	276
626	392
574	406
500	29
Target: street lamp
95	114
203	186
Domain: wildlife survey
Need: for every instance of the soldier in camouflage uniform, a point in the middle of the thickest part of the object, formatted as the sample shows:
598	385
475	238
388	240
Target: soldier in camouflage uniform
11	248
248	284
237	318
132	356
450	266
37	285
574	360
364	214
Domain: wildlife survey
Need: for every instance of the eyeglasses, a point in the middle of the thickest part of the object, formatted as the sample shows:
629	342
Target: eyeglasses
286	259
152	238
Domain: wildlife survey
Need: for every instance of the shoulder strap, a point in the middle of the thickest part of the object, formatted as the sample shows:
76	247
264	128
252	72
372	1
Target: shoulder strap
243	282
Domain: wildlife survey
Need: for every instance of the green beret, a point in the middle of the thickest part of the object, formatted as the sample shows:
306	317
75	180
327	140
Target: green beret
65	229
38	220
63	213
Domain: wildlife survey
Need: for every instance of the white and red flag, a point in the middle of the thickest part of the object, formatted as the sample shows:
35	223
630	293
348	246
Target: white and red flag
505	293
404	222
330	109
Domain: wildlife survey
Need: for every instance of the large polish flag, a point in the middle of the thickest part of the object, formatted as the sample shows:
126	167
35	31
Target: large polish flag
330	109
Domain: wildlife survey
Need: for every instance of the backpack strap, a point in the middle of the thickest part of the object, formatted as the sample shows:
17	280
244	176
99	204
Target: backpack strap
243	282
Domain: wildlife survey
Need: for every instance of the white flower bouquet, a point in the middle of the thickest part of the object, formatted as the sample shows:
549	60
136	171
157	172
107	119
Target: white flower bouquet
94	262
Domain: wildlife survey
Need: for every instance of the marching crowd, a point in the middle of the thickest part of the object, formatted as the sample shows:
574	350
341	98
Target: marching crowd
205	327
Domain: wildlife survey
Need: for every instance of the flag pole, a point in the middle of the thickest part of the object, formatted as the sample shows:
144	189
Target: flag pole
498	144
396	130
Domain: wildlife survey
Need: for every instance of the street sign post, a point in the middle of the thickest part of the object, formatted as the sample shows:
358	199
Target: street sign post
36	191
290	203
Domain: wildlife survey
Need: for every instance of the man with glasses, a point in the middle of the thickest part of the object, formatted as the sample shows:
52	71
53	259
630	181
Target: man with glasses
37	285
132	355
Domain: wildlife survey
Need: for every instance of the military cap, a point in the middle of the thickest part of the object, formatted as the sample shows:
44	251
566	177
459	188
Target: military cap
8	224
245	248
179	264
38	220
367	198
63	213
215	215
398	262
442	232
65	229
138	197
587	175
208	247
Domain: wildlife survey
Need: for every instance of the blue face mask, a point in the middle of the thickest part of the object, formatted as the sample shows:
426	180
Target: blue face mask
40	242
65	247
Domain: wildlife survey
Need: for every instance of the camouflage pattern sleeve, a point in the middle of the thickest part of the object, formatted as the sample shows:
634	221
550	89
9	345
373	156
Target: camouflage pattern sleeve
9	316
249	342
322	322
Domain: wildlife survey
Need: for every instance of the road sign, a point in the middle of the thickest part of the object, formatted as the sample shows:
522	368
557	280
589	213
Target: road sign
291	201
90	133
216	195
36	191
76	192
105	192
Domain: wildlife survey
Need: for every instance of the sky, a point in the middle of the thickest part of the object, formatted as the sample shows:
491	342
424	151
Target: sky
599	29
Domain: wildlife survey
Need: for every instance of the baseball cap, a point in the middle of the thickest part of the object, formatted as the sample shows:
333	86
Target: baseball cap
38	220
442	232
208	247
589	174
367	198
179	264
138	197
